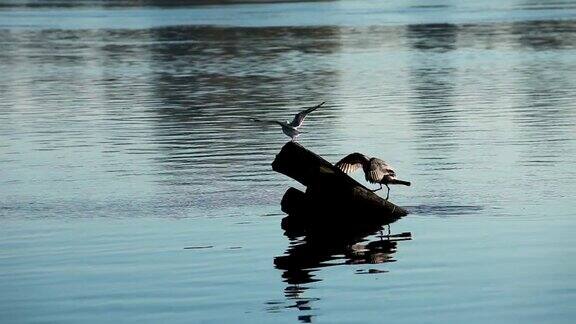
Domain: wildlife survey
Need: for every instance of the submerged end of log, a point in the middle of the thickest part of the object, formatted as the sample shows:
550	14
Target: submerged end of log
341	209
294	201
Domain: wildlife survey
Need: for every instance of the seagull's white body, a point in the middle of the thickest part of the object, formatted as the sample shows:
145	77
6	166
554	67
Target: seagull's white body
291	128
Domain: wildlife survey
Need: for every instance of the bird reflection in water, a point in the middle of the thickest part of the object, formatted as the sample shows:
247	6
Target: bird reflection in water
312	248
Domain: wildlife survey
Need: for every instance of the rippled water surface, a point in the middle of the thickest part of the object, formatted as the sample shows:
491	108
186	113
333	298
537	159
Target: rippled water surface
134	187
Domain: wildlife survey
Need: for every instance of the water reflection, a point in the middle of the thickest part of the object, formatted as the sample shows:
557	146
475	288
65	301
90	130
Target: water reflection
213	77
432	76
432	81
544	35
326	246
145	122
546	103
165	105
432	37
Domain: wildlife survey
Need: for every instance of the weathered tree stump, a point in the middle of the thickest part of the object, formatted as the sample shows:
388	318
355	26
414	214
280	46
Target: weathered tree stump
332	197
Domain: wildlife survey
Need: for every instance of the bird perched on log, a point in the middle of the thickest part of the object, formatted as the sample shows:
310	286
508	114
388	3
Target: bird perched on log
291	128
375	170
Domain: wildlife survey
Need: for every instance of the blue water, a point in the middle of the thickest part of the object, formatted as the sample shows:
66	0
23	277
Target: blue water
134	187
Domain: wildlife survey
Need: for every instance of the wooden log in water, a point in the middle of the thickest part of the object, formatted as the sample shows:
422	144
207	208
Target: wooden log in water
294	202
305	166
331	195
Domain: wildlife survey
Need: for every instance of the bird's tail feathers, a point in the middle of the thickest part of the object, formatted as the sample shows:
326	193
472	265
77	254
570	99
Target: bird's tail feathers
402	182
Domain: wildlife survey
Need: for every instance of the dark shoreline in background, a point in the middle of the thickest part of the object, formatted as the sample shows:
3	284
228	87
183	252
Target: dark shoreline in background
128	3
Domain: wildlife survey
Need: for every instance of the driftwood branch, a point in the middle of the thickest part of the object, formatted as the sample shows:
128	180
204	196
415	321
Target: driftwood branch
331	196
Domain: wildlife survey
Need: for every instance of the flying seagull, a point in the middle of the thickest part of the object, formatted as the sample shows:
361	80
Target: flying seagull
375	170
291	128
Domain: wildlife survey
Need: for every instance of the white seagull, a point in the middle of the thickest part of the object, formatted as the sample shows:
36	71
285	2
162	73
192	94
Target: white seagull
375	170
291	128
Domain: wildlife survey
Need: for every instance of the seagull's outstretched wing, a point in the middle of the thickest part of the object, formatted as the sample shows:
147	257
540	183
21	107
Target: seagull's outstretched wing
380	170
267	121
299	118
351	162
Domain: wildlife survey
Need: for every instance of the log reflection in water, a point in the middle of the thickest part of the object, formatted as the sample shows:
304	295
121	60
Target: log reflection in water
328	246
313	247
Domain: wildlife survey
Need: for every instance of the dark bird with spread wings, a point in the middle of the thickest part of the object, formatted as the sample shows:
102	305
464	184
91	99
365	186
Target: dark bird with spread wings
375	170
291	128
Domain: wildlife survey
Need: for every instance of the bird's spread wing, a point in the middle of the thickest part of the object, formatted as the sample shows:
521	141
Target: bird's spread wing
299	117
267	121
380	170
351	162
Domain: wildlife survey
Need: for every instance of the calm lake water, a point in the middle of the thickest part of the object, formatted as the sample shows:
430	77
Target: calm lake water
134	189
